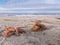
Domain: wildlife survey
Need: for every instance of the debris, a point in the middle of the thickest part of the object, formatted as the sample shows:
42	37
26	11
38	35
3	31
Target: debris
38	26
3	39
12	30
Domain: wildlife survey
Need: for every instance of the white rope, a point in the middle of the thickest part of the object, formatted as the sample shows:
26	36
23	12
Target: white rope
3	39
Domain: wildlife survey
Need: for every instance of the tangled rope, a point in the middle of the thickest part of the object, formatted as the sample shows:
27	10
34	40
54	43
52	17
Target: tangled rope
2	41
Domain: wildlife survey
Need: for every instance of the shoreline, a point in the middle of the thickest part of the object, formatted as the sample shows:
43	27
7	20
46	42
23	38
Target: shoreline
53	16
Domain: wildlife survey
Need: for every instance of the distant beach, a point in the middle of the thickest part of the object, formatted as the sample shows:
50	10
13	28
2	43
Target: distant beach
53	16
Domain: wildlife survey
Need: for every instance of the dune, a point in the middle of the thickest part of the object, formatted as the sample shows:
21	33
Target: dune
51	36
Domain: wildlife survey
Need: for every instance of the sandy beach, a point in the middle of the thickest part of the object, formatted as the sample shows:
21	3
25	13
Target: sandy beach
51	36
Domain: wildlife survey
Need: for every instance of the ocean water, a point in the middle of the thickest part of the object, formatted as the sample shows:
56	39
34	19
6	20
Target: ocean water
55	16
18	14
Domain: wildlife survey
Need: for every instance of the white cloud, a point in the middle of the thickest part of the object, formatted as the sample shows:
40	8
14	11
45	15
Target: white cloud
28	3
2	8
51	1
31	4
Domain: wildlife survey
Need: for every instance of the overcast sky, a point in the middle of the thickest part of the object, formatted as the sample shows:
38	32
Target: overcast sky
39	6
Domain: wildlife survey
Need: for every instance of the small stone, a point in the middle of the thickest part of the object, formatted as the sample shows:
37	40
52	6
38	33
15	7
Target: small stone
49	44
44	33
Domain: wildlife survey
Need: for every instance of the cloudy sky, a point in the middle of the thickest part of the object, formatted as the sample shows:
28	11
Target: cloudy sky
38	6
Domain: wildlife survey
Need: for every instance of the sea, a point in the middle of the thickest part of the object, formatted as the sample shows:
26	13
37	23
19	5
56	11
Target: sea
29	14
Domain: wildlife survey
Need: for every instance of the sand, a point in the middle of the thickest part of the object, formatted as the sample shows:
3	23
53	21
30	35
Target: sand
50	36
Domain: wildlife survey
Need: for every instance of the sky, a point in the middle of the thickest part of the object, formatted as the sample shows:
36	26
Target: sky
30	6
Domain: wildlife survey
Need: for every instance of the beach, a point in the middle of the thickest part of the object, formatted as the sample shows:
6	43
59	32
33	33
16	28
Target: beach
50	36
